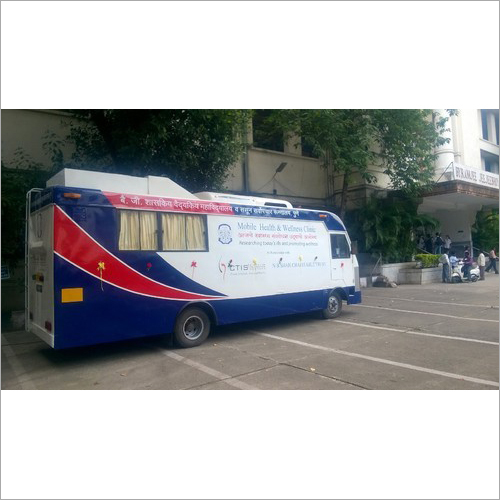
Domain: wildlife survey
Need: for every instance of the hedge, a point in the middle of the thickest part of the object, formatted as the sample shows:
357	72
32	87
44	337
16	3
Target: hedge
428	260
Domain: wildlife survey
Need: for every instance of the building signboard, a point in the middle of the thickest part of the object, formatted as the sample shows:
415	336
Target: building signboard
475	176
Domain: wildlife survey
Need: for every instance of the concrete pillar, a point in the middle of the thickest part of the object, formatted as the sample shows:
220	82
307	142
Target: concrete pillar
292	145
456	130
249	130
446	152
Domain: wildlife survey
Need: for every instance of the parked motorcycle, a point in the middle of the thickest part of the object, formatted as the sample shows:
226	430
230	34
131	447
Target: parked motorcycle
458	277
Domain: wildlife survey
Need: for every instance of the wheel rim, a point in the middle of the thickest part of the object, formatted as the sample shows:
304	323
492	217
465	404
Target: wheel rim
193	327
333	304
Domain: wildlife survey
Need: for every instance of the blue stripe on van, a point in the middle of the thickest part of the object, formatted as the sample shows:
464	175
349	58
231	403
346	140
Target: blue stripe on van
110	314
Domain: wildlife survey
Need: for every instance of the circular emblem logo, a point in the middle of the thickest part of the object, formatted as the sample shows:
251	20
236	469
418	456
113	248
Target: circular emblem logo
225	234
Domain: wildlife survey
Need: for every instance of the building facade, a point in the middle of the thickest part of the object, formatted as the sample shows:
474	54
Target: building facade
29	130
273	166
466	173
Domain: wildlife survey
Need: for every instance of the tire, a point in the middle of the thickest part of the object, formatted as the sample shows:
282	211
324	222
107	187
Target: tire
191	327
456	279
473	278
334	307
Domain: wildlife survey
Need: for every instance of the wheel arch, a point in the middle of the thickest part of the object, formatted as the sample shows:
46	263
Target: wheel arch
341	293
204	306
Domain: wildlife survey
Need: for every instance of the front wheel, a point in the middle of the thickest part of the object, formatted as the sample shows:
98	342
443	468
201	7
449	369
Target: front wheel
192	327
334	307
456	279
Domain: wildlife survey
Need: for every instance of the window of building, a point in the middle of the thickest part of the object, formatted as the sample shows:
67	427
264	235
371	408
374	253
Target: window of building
340	246
308	149
489	125
490	165
139	231
484	124
263	134
496	126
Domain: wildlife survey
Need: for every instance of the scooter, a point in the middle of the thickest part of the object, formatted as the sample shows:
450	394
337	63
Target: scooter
458	277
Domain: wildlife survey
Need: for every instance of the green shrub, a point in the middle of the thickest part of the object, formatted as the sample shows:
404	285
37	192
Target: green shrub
428	260
389	227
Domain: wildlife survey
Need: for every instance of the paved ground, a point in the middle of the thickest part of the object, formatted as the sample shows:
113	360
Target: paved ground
412	337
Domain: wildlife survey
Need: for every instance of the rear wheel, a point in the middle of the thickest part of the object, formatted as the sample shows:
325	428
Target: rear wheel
334	307
192	327
473	278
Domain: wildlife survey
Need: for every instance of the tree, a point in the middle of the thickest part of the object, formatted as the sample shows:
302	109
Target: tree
388	227
407	139
340	137
18	177
400	142
193	147
485	230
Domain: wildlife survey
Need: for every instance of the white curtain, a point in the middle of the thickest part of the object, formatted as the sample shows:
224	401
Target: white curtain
148	231
195	232
138	231
174	231
129	230
183	232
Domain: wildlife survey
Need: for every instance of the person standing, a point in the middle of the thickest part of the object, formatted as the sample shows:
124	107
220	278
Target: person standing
446	276
453	260
438	244
447	243
481	262
421	242
493	261
428	244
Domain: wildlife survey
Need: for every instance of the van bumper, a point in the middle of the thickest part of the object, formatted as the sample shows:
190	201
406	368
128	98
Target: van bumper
354	298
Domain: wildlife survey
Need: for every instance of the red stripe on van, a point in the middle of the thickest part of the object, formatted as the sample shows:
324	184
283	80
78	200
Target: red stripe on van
73	244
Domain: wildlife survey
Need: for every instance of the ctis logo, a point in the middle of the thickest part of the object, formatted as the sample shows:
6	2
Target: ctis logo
225	236
240	269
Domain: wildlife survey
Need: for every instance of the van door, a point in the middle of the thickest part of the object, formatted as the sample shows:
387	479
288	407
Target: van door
342	273
40	272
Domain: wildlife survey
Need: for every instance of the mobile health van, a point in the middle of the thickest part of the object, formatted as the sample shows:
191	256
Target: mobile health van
112	257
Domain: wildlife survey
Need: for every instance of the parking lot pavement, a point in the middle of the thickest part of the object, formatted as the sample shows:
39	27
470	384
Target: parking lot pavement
437	336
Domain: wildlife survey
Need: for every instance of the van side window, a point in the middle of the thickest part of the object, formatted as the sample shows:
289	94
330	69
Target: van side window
138	230
340	247
179	232
183	232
